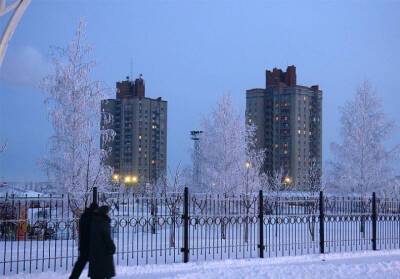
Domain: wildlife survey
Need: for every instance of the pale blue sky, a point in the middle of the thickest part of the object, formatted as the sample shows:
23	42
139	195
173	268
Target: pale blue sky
191	52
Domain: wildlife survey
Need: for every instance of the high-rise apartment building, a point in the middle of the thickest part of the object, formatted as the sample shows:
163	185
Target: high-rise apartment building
289	125
139	148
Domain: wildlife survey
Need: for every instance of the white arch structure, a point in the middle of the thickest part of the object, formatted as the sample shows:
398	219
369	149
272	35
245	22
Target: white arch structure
17	7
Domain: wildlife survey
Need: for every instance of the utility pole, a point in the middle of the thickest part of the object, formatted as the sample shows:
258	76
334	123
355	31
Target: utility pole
195	136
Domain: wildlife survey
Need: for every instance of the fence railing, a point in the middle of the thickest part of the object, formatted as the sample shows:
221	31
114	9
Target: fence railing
40	233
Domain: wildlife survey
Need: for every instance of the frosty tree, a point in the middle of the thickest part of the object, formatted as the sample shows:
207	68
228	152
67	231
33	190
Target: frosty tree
313	179
3	147
174	185
75	161
361	162
229	161
275	181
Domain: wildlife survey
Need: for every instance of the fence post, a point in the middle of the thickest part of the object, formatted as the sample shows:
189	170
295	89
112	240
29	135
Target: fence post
321	223
261	223
185	218
94	199
374	219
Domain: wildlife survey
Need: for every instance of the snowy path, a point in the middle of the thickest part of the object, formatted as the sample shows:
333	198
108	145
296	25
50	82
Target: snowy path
376	265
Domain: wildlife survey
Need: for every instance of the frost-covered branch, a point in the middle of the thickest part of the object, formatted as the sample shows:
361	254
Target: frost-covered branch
75	161
362	163
229	160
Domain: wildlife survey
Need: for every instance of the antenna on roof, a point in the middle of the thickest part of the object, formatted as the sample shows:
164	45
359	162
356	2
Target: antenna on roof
131	67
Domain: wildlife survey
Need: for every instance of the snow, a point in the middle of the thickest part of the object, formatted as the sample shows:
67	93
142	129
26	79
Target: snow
365	265
18	191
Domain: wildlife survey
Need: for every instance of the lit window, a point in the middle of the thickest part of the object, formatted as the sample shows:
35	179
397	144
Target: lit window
299	131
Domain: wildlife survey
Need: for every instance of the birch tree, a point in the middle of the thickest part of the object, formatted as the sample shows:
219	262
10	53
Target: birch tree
75	162
170	190
229	161
362	163
313	185
3	147
275	183
313	181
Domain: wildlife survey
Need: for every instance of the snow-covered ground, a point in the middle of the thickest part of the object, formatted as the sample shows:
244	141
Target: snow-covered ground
362	265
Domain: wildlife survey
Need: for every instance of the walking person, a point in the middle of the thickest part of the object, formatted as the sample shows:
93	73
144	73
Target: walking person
83	246
102	247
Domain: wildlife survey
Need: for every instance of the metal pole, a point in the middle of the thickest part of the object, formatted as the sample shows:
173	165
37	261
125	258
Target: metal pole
261	223
321	223
374	219
185	218
94	200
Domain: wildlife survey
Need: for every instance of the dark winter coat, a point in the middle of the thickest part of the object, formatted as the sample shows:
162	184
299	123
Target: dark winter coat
84	232
102	247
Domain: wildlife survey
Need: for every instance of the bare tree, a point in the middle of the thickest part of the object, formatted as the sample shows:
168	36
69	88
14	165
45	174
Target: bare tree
275	183
274	186
75	162
362	163
312	186
169	189
3	147
226	147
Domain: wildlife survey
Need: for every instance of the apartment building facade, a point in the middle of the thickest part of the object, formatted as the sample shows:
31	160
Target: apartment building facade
139	149
288	118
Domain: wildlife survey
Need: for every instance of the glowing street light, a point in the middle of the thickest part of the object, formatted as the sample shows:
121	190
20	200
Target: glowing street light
287	180
127	179
115	177
248	165
131	179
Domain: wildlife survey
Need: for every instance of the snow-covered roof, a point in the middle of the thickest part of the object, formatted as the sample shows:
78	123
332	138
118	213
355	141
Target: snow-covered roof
11	189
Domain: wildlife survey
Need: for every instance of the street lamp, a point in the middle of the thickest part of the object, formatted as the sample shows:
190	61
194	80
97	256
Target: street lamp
115	177
129	179
248	165
287	180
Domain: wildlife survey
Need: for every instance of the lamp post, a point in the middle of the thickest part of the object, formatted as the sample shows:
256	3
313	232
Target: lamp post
248	165
195	136
247	204
287	180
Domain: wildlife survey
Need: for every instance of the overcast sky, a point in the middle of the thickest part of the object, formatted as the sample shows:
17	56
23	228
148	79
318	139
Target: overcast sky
191	52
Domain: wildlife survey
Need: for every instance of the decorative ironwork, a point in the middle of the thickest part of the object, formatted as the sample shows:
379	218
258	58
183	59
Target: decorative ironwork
38	234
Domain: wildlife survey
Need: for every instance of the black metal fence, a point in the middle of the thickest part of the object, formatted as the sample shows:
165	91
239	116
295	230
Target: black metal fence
40	233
